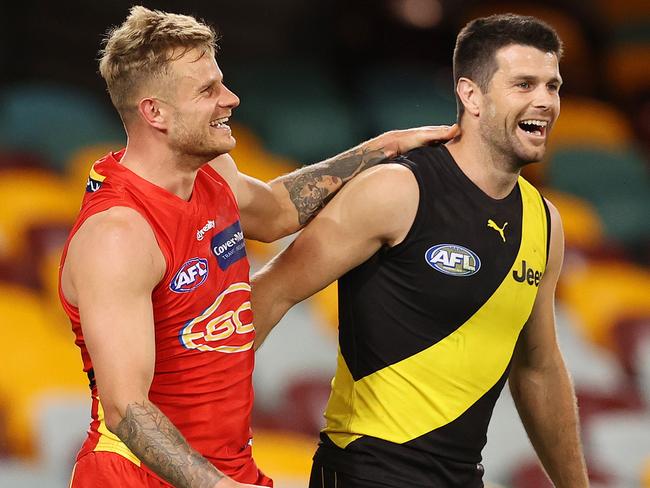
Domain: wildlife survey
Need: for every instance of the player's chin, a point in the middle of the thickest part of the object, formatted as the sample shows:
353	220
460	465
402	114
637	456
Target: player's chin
532	155
228	144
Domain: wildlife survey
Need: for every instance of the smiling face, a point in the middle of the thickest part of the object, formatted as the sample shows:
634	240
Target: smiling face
200	106
521	104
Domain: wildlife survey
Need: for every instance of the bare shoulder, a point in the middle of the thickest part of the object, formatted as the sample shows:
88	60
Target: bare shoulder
387	183
117	244
385	197
556	223
556	248
555	214
227	168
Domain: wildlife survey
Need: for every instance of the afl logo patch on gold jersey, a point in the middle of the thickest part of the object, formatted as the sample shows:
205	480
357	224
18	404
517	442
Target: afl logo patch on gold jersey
452	259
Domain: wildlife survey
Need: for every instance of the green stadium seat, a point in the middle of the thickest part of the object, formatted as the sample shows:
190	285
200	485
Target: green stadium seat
408	96
626	217
54	121
295	107
598	174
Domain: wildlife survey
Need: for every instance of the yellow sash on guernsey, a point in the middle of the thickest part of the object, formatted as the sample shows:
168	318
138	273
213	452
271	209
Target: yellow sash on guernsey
435	386
109	441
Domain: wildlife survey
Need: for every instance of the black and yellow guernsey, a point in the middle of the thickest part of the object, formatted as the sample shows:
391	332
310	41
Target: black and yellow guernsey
427	330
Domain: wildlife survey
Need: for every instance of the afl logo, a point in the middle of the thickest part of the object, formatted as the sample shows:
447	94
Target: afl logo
191	275
452	259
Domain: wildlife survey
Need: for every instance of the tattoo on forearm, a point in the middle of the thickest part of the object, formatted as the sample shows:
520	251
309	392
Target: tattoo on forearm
157	442
311	187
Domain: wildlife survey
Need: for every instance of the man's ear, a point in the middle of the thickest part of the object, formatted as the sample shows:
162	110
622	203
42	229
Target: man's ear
470	96
154	112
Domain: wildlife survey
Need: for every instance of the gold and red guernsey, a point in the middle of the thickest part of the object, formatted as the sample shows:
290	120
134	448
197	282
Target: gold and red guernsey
203	321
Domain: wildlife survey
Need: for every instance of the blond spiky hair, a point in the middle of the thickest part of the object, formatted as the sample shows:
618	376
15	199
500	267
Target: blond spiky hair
140	50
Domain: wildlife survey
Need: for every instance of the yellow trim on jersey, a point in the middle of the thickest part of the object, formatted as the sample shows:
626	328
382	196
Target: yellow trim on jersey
435	386
109	441
94	175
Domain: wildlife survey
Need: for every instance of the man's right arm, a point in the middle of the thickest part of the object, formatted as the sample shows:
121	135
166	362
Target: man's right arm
376	208
112	267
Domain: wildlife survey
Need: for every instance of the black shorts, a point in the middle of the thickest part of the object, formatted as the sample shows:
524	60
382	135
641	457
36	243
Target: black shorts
322	477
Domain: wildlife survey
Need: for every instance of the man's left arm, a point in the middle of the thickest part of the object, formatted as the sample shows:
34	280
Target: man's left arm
282	206
540	383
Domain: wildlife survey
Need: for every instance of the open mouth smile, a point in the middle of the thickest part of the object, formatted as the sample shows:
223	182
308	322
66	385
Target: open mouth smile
533	127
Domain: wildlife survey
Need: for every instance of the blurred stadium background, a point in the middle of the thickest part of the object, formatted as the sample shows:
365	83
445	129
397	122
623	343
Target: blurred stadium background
315	78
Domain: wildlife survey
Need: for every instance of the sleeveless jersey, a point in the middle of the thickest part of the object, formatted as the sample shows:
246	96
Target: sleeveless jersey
203	321
427	330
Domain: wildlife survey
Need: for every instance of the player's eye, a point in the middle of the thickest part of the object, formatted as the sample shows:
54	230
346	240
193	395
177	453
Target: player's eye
524	84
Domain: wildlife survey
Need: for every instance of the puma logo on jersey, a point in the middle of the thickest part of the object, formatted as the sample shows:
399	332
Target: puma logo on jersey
526	274
492	225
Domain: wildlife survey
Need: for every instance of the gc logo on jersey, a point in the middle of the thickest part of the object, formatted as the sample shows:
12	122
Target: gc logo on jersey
190	276
225	326
452	259
228	246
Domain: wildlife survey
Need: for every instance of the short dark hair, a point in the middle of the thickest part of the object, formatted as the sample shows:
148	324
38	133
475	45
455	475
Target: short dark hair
478	42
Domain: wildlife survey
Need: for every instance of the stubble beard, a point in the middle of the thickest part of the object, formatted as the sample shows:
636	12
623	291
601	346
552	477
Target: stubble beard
505	147
195	145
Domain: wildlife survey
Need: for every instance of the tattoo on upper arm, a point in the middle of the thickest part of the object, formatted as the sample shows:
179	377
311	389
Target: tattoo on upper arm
311	187
157	442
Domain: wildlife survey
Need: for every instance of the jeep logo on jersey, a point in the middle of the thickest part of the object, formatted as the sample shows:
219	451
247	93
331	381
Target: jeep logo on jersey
228	245
191	275
452	259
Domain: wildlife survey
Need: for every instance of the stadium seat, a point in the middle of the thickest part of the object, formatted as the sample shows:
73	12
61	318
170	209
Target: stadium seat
406	96
583	227
79	164
39	358
619	444
48	280
593	404
615	182
531	475
306	399
619	289
254	159
31	197
295	107
22	160
615	12
576	128
578	60
593	173
54	120
645	475
627	72
18	272
326	303
286	456
625	216
61	422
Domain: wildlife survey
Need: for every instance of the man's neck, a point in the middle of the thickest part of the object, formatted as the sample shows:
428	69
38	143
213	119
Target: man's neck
487	169
160	166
